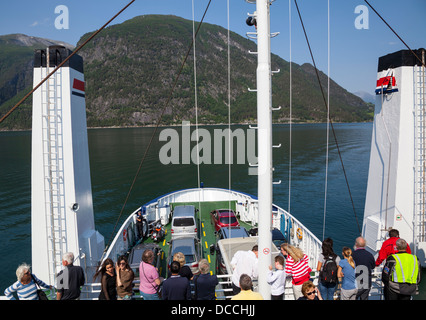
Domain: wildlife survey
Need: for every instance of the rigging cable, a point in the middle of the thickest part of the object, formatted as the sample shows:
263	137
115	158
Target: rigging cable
387	24
328	119
63	62
158	123
229	111
331	122
195	94
291	115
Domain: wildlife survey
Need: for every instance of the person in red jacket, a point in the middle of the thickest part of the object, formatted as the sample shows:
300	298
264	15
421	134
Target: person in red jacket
389	247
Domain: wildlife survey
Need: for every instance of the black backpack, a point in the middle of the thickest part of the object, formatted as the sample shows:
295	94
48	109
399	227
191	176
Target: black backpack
328	274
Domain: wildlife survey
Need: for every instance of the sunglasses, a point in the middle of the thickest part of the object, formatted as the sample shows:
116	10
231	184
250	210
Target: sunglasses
310	293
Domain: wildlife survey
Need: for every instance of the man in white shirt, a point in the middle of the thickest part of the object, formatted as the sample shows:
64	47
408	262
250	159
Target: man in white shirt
244	262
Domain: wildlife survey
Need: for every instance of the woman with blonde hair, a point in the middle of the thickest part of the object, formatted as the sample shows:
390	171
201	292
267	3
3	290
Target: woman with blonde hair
185	271
297	266
346	270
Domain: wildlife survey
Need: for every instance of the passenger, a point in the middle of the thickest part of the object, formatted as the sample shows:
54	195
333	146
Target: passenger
327	267
365	265
176	287
150	281
185	271
26	286
297	267
402	273
347	272
74	275
243	262
310	292
277	279
246	292
205	283
108	280
389	247
125	277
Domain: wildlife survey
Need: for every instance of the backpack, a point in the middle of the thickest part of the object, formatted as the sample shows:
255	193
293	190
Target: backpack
328	274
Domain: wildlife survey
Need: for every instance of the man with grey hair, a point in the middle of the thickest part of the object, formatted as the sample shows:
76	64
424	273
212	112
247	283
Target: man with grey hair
70	279
402	273
365	265
205	284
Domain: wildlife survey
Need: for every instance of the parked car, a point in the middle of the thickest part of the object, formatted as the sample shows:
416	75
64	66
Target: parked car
184	222
225	233
278	238
135	256
223	218
232	232
190	247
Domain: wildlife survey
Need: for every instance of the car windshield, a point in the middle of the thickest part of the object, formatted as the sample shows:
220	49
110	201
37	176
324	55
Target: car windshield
183	222
189	258
228	220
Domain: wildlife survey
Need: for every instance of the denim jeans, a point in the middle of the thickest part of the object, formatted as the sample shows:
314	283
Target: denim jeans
147	296
327	290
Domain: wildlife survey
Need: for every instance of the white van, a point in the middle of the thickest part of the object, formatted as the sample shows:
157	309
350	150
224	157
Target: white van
183	222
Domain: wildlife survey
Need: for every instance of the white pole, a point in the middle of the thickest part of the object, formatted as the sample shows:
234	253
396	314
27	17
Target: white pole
264	114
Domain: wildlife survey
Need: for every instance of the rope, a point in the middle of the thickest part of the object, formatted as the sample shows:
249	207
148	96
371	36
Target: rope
158	122
331	123
62	63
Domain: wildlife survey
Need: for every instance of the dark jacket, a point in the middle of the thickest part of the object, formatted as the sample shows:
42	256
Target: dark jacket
204	286
176	288
363	258
75	277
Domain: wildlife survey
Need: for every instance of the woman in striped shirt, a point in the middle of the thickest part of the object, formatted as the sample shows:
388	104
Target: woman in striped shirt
25	287
297	267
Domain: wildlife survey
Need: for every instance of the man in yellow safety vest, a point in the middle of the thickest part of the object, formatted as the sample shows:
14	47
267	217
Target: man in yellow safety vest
402	273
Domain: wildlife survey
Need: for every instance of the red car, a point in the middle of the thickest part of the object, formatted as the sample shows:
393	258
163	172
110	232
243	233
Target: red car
223	218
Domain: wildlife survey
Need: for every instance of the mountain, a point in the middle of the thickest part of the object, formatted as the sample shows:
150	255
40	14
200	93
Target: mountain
367	97
131	67
16	74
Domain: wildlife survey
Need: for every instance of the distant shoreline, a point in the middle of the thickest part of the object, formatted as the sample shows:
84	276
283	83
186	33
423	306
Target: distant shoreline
200	124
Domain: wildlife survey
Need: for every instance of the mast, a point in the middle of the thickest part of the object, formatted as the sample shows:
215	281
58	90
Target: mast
264	129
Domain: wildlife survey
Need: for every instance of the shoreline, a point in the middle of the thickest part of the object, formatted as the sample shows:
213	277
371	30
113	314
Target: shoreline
200	124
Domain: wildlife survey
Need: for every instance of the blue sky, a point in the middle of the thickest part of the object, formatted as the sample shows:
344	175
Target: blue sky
353	52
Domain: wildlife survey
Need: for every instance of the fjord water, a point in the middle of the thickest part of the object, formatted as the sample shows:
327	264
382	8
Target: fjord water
115	155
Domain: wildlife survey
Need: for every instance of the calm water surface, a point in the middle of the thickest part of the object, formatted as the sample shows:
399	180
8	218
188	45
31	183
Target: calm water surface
115	155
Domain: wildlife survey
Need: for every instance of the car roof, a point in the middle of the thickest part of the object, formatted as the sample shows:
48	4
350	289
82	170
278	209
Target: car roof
182	211
226	212
277	234
186	245
234	232
137	251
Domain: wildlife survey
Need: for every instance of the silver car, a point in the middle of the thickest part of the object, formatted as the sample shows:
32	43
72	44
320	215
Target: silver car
191	249
184	222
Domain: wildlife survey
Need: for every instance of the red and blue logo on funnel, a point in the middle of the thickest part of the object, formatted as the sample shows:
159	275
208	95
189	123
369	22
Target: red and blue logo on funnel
78	88
386	85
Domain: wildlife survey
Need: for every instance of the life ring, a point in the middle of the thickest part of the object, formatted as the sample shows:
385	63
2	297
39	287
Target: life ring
299	233
124	235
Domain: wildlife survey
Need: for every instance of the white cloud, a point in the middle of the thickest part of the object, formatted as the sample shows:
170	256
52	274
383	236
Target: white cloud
36	23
